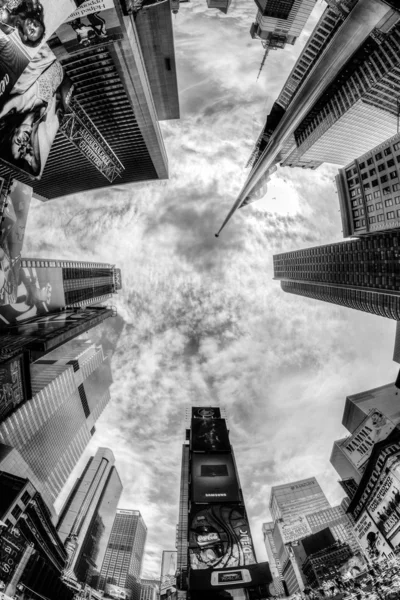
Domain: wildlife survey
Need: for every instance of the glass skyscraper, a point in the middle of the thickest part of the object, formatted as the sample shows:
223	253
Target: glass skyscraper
87	517
363	274
124	553
70	390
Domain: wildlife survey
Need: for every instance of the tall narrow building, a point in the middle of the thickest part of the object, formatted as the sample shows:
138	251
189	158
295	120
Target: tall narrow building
50	431
363	274
85	522
213	527
123	557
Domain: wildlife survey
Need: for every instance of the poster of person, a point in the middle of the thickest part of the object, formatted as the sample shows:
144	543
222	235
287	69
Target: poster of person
12	231
384	506
168	574
371	539
219	537
39	291
25	25
12	388
94	22
31	117
210	435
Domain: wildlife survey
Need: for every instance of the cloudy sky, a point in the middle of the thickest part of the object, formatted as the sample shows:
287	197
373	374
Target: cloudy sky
200	320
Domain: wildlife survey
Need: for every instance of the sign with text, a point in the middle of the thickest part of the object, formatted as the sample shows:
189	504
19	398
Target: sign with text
294	528
250	577
374	428
384	507
371	539
12	546
214	478
206	412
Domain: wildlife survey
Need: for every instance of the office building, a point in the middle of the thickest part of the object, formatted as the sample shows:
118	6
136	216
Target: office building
32	552
51	430
85	522
369	190
149	589
274	563
363	274
213	525
123	557
124	84
336	519
321	556
222	5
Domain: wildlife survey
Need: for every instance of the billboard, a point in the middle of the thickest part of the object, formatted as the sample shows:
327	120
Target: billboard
384	507
115	591
168	572
371	539
206	412
24	28
250	576
219	537
12	231
39	291
14	383
31	117
12	545
214	478
210	435
294	528
374	428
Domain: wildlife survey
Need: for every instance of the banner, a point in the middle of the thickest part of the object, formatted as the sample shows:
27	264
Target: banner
168	572
40	291
210	435
384	507
294	528
13	385
12	231
250	577
219	537
374	428
31	117
24	28
206	412
371	539
214	478
12	546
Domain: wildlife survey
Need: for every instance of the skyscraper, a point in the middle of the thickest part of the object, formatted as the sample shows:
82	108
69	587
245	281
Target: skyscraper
123	557
222	5
149	589
274	562
363	274
213	525
51	430
85	522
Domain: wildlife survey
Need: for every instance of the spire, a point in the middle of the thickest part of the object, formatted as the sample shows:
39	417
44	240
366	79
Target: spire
263	61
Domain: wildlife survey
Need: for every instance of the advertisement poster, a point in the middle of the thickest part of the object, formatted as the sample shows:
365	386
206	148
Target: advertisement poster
205	412
24	28
373	429
12	387
214	478
384	507
219	537
40	291
294	528
210	435
31	117
12	231
371	539
94	22
168	572
115	591
12	546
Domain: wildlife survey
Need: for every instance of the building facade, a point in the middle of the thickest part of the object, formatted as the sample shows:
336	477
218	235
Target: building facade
274	562
149	589
123	556
369	190
86	519
363	274
222	5
51	430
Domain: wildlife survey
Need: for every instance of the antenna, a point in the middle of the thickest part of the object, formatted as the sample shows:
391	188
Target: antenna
263	62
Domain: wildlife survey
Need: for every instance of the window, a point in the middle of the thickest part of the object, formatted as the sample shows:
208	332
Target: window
378	205
381	167
378	156
397	199
374	183
367	186
25	497
364	176
372	172
398	213
372	220
353	193
386	191
377	194
362	165
396	187
368	197
390	214
381	217
358	223
16	511
356	213
370	208
390	163
388	202
396	146
354	203
384	178
369	161
387	151
349	174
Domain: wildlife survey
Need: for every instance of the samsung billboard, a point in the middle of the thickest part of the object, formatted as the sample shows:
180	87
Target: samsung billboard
214	479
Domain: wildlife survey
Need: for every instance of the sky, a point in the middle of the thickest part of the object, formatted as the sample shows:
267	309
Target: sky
201	320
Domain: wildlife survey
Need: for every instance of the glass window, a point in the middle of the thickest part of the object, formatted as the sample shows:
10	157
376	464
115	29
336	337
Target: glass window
384	178
396	146
369	161
370	208
374	183
393	175
378	205
372	219
368	197
378	156
381	167
390	163
364	176
362	165
381	217
372	172
16	511
25	497
398	213
397	199
377	194
386	191
389	202
354	203
390	214
387	151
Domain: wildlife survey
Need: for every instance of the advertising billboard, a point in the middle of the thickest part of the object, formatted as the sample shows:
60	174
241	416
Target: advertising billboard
214	478
115	591
206	412
294	528
371	539
384	506
210	435
40	290
24	28
14	384
12	545
12	232
250	576
31	117
219	537
168	574
374	428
